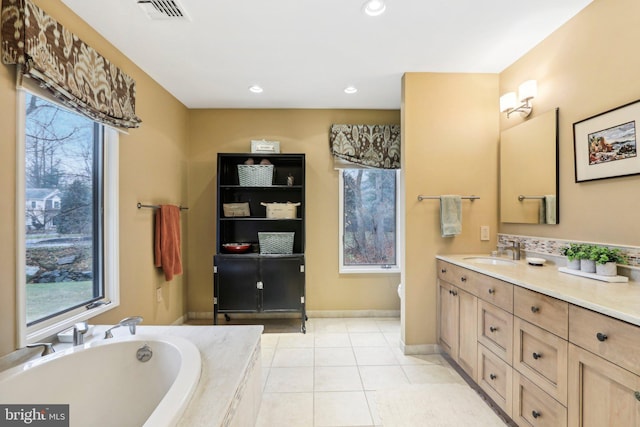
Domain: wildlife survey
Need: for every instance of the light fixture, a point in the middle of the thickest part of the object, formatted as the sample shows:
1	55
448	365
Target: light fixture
374	7
526	92
255	89
350	90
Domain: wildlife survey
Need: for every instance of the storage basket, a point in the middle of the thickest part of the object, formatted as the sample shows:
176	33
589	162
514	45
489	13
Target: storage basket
255	175
236	209
281	210
276	242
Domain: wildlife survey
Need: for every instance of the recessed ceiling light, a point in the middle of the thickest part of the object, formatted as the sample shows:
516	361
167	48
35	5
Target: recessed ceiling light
374	7
255	89
350	90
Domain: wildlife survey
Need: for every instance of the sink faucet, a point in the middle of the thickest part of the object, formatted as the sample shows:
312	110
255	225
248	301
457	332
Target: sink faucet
47	347
79	329
131	322
515	250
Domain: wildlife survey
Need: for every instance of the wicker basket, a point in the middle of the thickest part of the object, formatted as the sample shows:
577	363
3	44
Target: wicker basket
236	209
276	242
255	175
281	210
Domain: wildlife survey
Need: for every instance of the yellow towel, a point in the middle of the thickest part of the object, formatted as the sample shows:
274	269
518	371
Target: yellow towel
167	241
450	215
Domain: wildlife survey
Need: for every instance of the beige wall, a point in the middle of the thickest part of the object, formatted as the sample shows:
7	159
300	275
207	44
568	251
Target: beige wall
152	170
449	146
299	131
586	67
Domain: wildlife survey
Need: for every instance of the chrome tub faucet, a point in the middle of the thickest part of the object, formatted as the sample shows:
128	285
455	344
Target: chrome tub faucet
131	322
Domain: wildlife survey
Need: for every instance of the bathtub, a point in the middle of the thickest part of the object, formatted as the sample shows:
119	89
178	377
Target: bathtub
106	385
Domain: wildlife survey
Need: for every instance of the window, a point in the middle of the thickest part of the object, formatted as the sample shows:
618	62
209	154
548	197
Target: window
67	230
368	221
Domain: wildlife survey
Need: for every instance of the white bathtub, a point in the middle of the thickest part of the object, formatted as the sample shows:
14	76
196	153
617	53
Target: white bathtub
106	385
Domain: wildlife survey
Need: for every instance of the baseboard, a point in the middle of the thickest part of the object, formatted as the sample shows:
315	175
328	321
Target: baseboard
180	320
419	348
353	313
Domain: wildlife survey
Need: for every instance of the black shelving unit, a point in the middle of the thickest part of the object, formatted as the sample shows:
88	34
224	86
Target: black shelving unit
252	282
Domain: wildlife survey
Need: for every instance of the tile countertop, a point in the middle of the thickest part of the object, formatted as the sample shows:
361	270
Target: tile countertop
618	300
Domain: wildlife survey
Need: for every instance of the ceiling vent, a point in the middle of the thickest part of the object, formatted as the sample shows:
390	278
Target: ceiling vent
163	9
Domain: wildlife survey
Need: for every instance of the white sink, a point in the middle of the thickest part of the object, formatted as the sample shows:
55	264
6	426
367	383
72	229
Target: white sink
489	260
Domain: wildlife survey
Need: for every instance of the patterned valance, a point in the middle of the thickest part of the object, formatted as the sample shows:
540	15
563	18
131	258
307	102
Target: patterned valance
61	63
376	146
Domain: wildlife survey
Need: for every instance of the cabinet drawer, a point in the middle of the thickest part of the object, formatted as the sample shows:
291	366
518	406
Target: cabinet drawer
547	312
456	275
612	339
495	330
533	407
542	357
495	378
494	291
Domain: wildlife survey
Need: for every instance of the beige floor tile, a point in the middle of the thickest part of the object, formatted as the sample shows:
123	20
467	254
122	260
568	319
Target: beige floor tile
373	407
377	377
334	357
289	380
389	325
374	356
288	357
265	375
337	378
346	408
431	374
269	340
393	339
329	326
332	340
286	409
362	325
296	340
368	339
267	355
418	359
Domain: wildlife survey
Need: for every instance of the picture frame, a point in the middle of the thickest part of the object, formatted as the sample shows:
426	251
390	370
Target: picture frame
606	145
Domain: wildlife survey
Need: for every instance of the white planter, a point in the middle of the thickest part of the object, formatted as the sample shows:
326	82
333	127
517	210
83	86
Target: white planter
607	269
587	265
573	264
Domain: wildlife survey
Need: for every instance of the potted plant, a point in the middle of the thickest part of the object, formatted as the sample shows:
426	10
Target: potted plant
607	260
571	252
587	255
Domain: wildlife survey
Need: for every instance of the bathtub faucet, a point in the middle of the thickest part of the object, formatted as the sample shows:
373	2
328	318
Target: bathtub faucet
131	322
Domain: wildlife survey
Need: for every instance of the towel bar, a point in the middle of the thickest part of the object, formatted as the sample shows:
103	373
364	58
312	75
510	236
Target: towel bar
472	197
140	205
521	197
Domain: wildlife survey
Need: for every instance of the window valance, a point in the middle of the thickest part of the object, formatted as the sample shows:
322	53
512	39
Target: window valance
77	75
376	146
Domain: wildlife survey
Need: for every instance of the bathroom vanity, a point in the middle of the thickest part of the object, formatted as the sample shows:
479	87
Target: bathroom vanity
550	349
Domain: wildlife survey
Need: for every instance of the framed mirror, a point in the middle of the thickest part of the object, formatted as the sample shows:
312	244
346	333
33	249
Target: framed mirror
529	171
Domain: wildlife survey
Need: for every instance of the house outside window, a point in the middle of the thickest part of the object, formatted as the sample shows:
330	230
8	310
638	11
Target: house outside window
369	221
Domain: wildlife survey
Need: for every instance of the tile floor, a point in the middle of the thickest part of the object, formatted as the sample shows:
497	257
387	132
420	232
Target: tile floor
329	376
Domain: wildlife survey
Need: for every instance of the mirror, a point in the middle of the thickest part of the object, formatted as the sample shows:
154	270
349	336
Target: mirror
529	171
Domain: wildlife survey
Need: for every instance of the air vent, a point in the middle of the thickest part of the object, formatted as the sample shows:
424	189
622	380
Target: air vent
163	9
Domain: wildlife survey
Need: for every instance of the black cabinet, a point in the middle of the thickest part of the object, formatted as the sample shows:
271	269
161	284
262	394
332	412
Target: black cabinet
252	281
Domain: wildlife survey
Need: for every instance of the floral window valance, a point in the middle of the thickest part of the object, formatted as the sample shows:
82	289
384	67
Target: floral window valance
376	146
65	66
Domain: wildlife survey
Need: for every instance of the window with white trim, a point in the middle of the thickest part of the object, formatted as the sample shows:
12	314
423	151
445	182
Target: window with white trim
67	186
369	220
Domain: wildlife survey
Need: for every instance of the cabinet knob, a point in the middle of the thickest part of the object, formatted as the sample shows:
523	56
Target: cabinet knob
535	414
463	278
493	376
601	337
535	309
444	270
493	328
450	292
537	355
492	291
637	395
455	293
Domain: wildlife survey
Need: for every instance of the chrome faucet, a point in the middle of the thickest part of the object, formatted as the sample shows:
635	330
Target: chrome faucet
515	250
47	347
79	329
131	322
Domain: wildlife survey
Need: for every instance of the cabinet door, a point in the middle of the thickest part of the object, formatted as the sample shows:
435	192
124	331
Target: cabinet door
448	318
282	283
468	332
236	283
601	393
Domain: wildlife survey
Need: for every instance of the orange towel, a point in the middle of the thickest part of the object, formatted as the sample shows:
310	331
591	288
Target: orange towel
167	241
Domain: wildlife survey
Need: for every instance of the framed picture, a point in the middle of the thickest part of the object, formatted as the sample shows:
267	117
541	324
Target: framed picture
606	145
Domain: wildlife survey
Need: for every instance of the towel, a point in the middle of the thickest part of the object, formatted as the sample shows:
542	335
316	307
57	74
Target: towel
167	241
450	215
550	209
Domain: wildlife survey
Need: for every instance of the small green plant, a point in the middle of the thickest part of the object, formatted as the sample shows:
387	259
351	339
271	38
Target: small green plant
571	251
585	251
604	255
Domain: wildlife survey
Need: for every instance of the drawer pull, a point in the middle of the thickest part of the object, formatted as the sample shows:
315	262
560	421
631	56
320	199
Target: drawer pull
537	355
491	291
493	376
535	309
463	278
493	328
444	270
535	414
637	394
601	337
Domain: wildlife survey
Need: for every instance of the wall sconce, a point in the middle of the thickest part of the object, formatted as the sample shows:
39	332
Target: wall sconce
526	92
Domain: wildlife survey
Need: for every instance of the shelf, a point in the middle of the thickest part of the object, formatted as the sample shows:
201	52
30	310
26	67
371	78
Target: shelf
268	187
610	279
248	218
